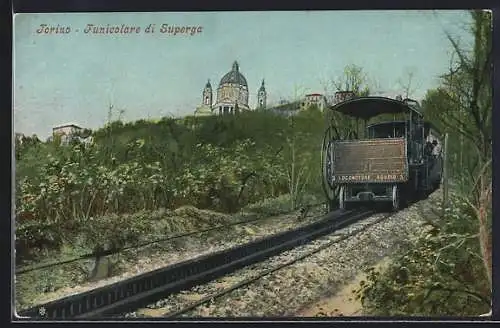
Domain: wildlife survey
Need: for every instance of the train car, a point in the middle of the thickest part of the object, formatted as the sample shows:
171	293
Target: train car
394	161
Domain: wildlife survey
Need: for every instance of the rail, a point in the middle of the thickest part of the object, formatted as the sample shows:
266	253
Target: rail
46	265
130	294
248	281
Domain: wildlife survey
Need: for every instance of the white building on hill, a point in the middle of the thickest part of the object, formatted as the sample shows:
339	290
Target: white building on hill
67	131
314	99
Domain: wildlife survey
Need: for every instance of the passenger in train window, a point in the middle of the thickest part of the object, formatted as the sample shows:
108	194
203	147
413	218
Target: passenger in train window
436	149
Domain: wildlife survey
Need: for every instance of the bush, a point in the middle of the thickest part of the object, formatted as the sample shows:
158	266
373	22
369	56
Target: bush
441	274
217	163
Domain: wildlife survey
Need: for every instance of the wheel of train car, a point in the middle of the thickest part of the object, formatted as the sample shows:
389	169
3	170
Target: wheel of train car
326	172
326	158
396	198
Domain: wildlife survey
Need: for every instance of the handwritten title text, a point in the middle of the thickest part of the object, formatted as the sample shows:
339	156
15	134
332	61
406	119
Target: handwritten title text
122	29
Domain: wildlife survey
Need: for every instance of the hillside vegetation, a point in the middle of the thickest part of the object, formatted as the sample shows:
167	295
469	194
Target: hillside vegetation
89	190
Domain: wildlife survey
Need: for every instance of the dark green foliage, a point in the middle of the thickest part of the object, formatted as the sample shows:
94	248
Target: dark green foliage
218	163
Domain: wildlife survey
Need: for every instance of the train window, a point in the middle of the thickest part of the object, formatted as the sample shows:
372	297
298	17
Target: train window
399	132
387	130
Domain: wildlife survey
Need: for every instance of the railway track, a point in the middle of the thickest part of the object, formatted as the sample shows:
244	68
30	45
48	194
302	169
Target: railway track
130	294
274	265
49	264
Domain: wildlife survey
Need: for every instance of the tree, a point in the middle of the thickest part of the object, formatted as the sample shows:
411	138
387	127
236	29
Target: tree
464	104
353	79
407	82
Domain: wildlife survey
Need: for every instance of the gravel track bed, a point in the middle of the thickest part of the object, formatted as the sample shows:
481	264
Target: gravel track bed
170	252
287	291
185	298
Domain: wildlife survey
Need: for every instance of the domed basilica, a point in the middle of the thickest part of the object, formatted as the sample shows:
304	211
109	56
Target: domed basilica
232	95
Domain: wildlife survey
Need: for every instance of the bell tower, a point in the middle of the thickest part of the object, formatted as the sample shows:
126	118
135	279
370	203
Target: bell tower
205	108
261	96
207	94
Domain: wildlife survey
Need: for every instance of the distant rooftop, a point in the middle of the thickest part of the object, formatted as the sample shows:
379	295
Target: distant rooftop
69	124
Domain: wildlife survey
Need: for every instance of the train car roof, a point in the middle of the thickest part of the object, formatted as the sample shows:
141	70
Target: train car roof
368	107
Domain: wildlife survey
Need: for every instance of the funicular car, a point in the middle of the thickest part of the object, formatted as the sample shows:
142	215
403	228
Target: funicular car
392	162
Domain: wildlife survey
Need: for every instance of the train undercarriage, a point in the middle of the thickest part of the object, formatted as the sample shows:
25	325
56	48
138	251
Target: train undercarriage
384	194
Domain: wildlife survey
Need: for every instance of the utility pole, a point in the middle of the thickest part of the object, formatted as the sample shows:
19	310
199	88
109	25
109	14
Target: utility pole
445	172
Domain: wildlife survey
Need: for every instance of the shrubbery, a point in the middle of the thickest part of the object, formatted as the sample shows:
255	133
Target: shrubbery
63	191
440	274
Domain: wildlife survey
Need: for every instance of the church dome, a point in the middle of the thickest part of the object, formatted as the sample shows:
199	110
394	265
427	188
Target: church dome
234	76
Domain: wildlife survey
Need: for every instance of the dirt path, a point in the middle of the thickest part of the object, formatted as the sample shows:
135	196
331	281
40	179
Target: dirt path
342	303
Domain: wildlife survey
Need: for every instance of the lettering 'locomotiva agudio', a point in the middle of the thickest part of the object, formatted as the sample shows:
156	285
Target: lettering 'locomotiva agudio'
369	177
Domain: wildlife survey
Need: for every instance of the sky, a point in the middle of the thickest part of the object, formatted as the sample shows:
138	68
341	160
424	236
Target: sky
76	76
